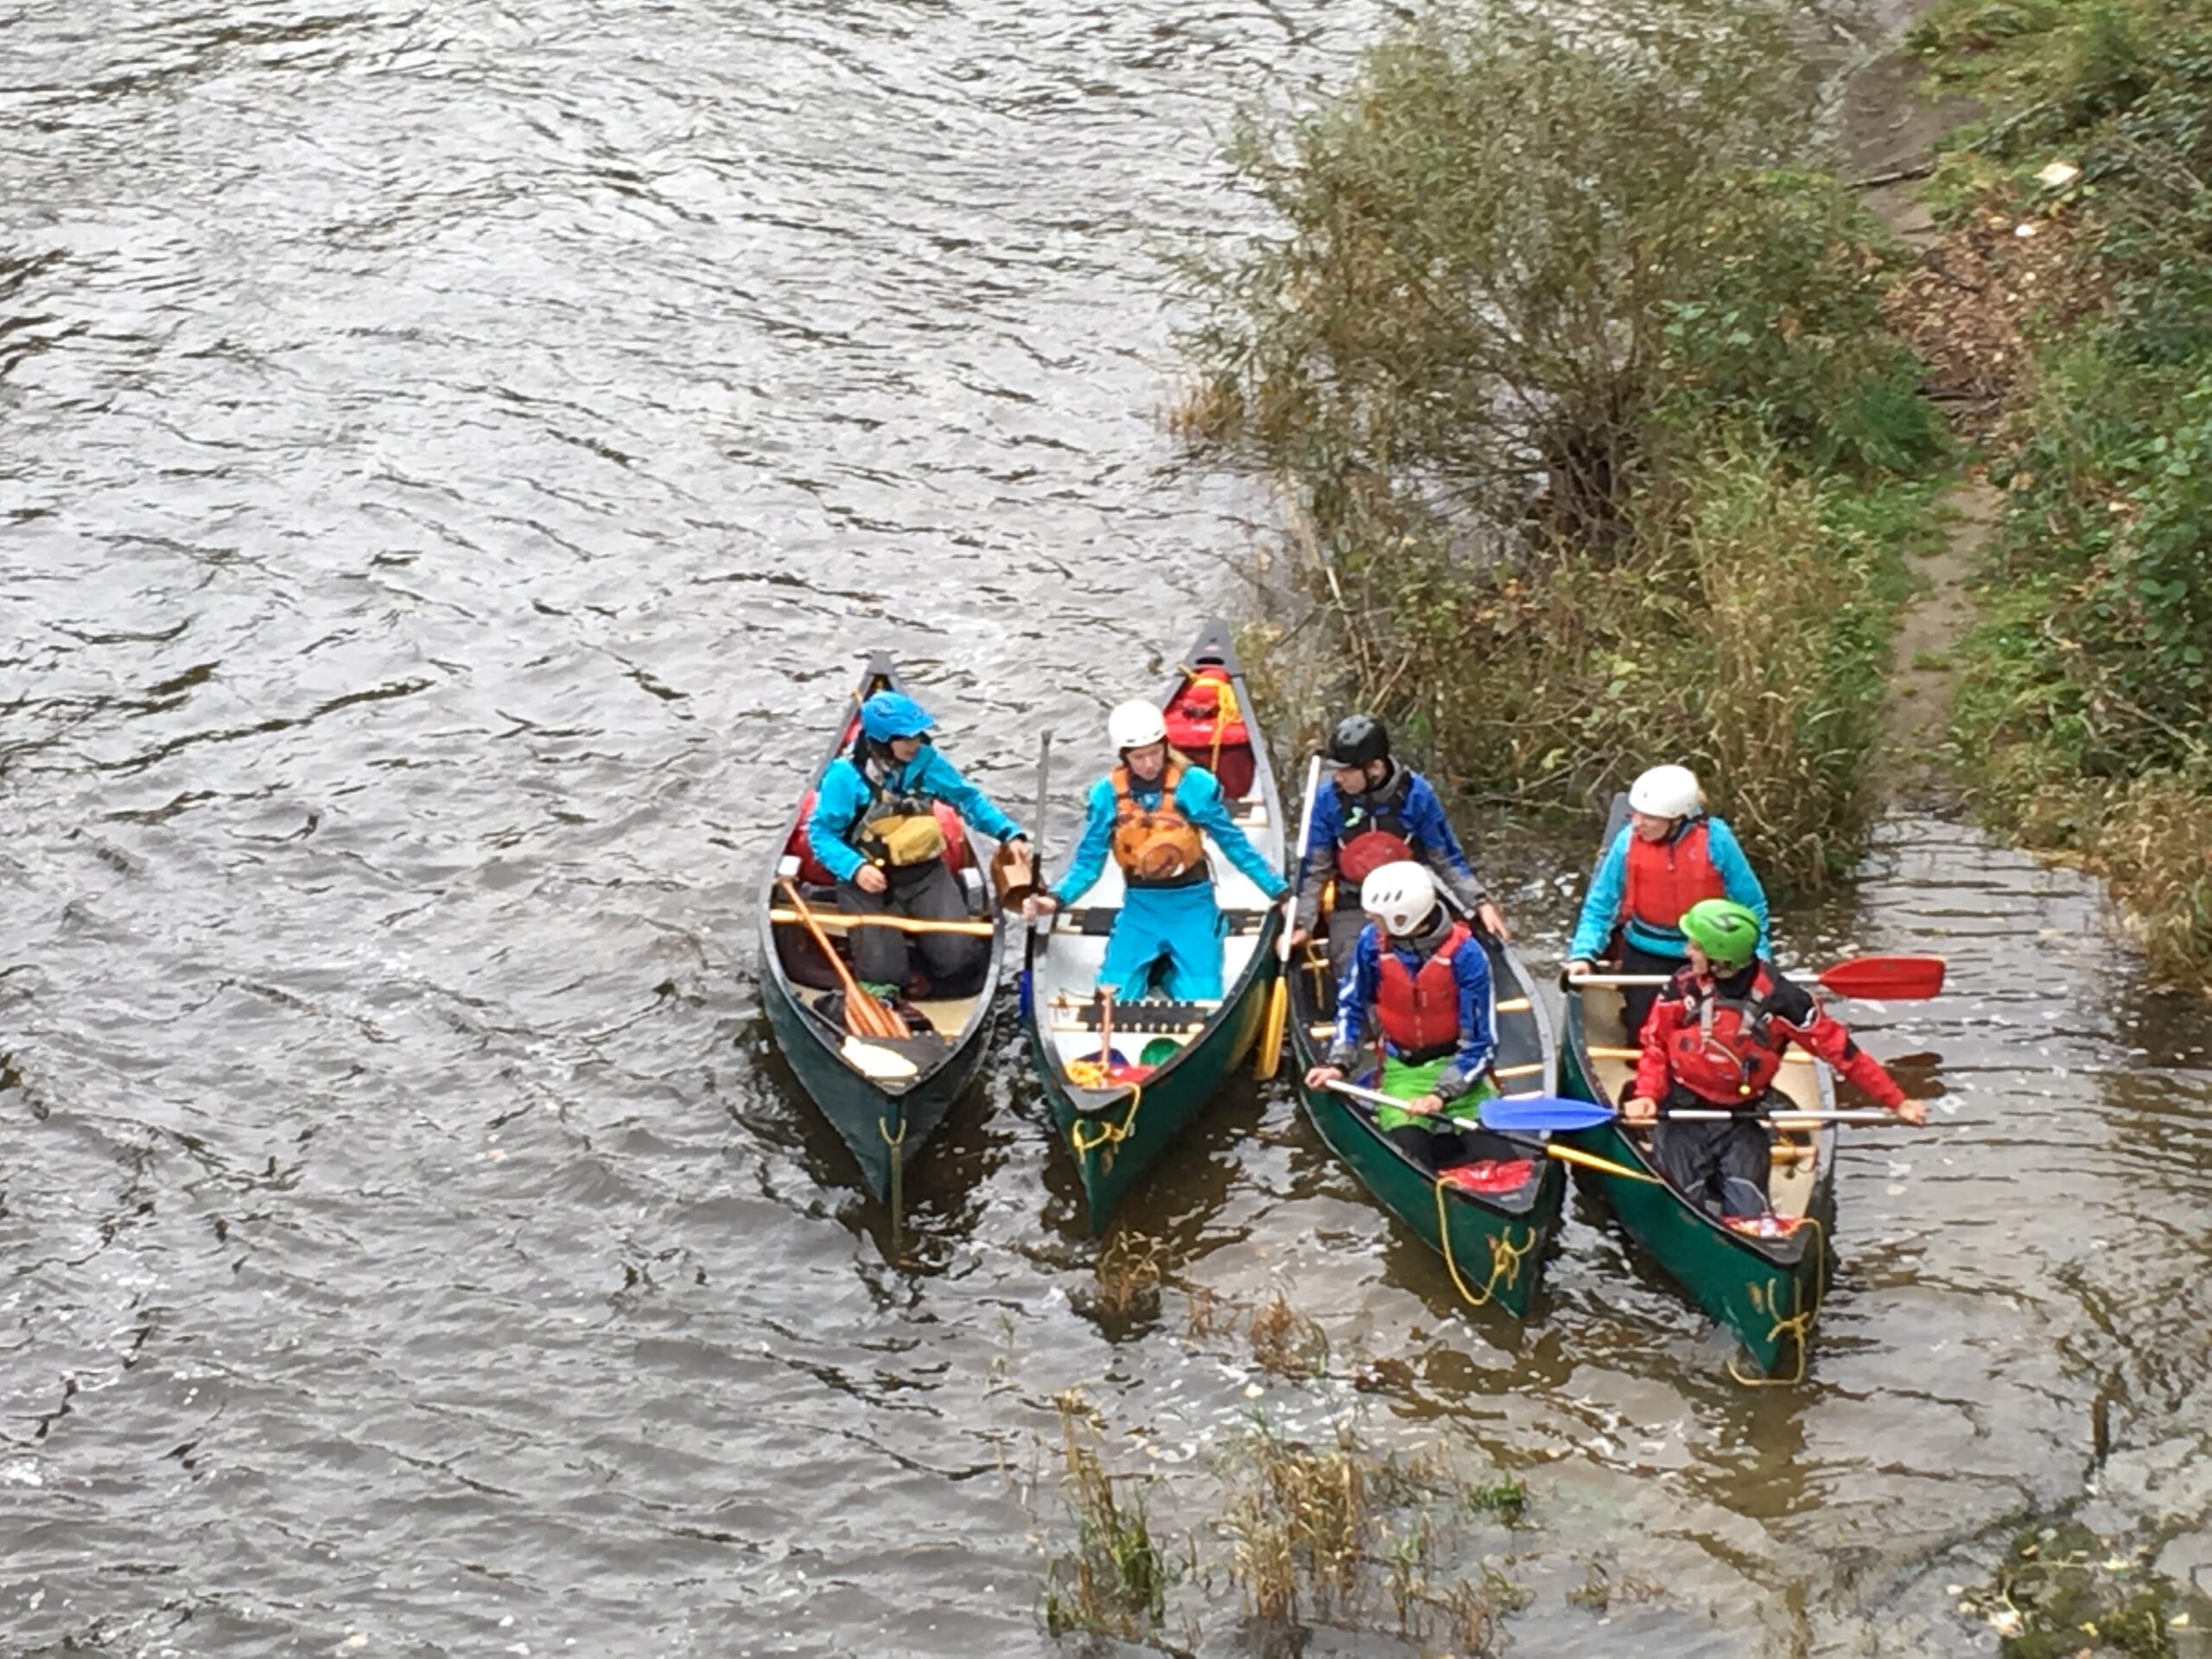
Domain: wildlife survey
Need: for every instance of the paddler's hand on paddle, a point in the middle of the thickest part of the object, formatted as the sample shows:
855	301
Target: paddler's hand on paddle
868	879
1493	920
1425	1105
1038	906
1576	969
1322	1075
1911	1111
1300	937
1637	1109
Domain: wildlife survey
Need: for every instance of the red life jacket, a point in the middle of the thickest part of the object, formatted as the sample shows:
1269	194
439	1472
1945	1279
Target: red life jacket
1726	1049
1372	829
1420	1013
1665	878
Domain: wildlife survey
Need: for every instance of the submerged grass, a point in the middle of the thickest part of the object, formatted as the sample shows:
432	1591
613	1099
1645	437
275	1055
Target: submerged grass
1115	1580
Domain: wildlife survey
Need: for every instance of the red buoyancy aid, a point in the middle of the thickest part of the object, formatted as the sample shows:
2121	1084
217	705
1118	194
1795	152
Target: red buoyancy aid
1665	878
1726	1049
1418	1013
1372	829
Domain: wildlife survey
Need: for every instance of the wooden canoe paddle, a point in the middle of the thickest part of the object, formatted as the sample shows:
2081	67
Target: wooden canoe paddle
1269	1056
864	1015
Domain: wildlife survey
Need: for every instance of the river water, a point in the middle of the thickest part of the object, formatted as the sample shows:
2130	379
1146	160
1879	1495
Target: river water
452	452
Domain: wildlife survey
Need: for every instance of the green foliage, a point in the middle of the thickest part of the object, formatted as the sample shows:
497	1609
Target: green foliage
1115	1580
1577	385
2086	703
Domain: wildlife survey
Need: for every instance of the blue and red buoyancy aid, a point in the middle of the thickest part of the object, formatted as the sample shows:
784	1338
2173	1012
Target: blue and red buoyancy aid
1418	1013
1726	1049
1373	829
1665	878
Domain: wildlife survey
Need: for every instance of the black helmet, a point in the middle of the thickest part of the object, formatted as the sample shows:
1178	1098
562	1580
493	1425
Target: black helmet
1358	739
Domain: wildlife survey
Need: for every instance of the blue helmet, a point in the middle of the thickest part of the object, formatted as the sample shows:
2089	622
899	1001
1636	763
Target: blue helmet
894	714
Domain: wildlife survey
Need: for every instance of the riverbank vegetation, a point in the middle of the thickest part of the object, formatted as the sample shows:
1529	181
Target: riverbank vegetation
1572	368
2085	708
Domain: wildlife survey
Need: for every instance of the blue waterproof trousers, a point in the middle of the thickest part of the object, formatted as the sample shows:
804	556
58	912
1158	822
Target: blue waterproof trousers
1171	934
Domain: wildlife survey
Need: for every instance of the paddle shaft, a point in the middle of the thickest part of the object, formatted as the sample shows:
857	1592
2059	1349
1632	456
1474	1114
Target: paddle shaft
1898	979
1565	1154
1278	1015
844	922
859	1005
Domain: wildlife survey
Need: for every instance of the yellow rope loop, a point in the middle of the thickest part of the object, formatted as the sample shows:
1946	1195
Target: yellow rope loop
1504	1255
1109	1135
1225	712
1798	1323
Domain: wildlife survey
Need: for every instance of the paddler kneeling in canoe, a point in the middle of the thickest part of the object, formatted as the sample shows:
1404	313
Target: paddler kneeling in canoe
875	828
1152	813
1421	979
1715	1039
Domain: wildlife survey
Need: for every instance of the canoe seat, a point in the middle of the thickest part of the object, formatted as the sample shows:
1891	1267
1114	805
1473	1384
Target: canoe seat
1099	919
1147	1016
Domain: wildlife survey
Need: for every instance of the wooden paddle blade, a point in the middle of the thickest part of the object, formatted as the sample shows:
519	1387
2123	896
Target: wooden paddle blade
1268	1057
1591	1160
1897	979
1541	1114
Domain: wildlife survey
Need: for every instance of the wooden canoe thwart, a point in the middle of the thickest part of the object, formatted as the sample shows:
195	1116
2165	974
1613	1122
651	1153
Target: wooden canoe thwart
1116	1120
884	1095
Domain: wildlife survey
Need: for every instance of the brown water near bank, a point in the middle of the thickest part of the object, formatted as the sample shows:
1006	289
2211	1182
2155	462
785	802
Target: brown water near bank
452	454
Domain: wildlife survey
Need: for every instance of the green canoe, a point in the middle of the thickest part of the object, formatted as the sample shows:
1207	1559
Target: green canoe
1767	1291
1118	1124
1493	1243
883	1098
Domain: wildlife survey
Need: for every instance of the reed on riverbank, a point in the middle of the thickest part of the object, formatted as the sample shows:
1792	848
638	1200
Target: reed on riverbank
1596	446
2086	700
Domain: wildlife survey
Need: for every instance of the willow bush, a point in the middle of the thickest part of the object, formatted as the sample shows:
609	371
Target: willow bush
1566	363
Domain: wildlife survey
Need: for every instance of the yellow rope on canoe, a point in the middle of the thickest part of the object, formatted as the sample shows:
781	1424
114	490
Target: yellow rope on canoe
1504	1255
1225	712
1798	1323
1110	1134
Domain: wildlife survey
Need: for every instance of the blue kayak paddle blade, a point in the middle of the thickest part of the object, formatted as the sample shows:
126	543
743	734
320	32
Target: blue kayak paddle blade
1538	1113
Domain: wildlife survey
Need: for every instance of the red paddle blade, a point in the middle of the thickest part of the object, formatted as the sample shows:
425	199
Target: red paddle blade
1897	979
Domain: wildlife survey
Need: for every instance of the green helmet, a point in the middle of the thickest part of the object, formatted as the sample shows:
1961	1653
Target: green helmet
1727	931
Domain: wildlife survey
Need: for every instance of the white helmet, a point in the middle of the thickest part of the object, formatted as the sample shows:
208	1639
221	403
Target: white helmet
1133	724
1668	792
1401	896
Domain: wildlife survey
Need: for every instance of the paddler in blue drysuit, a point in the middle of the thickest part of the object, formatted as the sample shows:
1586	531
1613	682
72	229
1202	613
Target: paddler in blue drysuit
1152	813
875	830
1419	990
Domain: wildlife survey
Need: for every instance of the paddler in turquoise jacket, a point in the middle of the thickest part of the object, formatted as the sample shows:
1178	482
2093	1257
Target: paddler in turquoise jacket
874	827
1152	813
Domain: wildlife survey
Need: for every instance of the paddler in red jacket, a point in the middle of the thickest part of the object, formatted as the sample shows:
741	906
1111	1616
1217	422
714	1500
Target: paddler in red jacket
1669	854
1716	1038
1419	990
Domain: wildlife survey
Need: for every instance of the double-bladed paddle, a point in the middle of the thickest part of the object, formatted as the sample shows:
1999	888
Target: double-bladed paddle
1554	1115
1894	979
1565	1154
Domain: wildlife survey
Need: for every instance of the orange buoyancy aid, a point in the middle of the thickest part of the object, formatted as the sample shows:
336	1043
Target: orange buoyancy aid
1418	1013
1665	878
1156	847
1726	1049
1372	829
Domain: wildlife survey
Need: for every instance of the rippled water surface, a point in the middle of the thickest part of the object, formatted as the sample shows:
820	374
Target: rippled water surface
449	455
